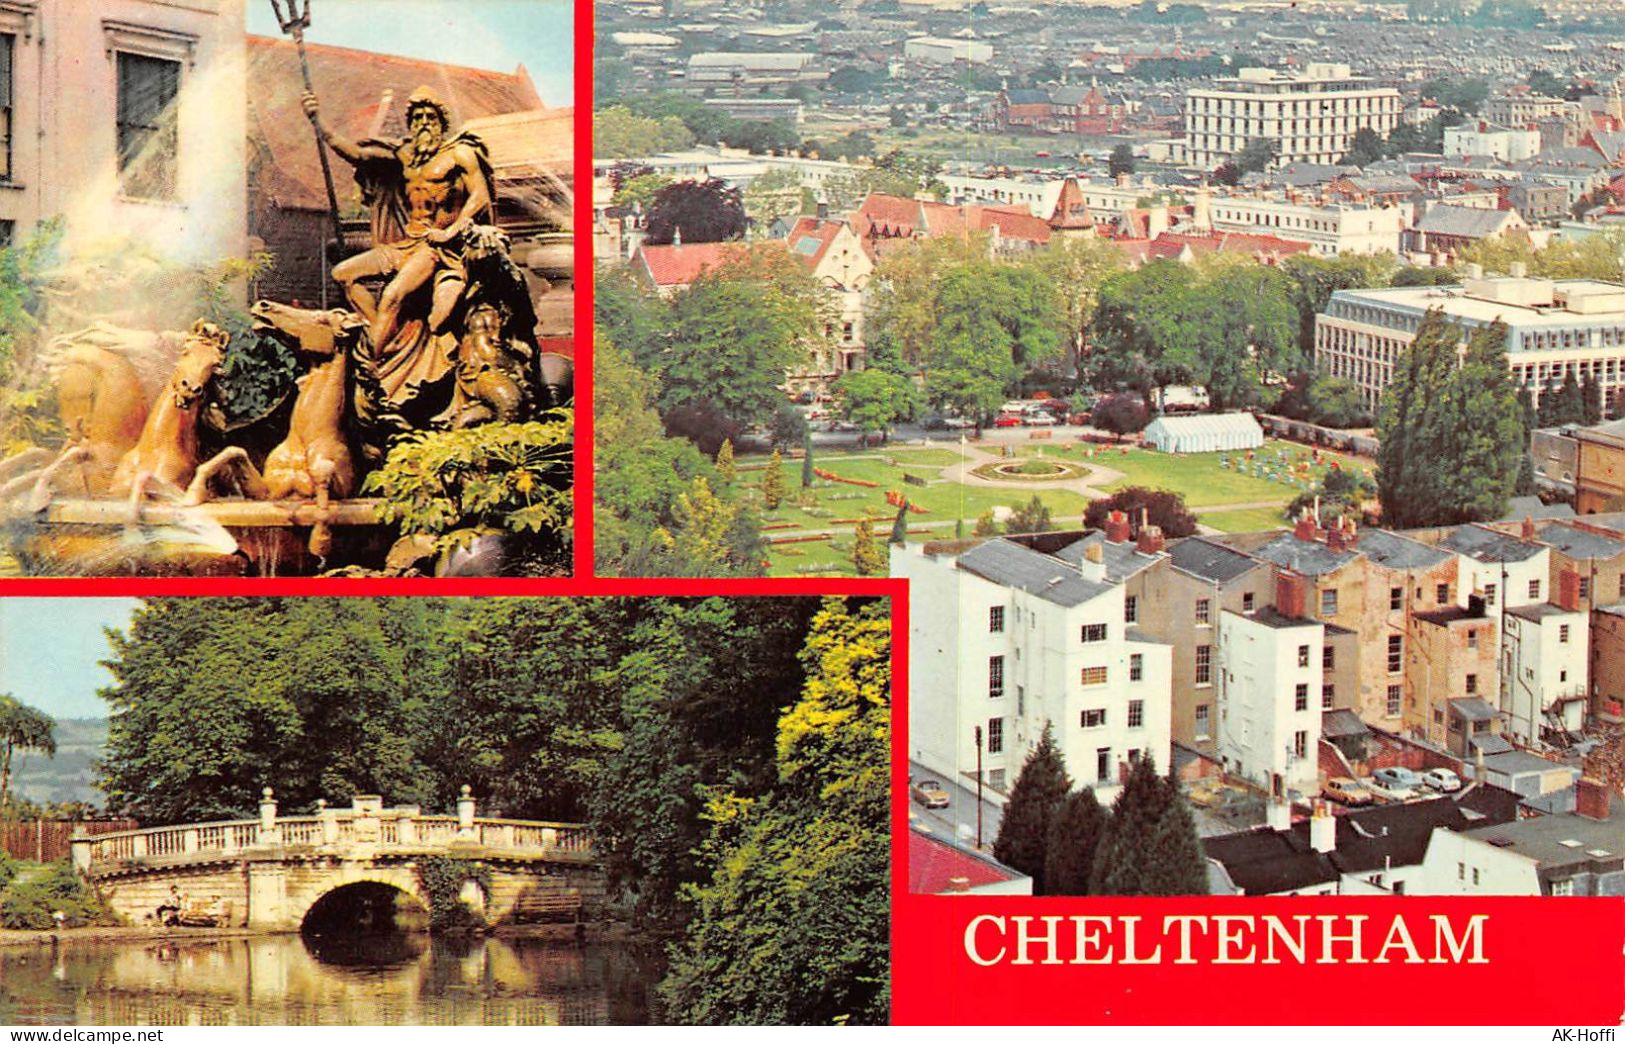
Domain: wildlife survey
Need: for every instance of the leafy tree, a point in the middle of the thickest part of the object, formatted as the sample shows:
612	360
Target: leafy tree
1069	853
1227	173
457	486
1163	508
1258	154
1120	414
639	192
21	728
730	339
775	194
1450	430
1035	800
1142	338
1031	517
725	462
993	323
699	211
1075	267
1121	160
1545	83
617	132
1341	492
642	518
791	927
1315	279
773	482
1365	149
986	525
788	427
1463	95
1337	402
867	558
874	399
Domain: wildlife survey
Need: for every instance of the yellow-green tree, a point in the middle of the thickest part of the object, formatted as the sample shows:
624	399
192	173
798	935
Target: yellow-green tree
866	555
773	482
725	461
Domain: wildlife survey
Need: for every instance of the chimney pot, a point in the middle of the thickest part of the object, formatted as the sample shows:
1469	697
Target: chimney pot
1150	540
1117	527
1528	531
1095	554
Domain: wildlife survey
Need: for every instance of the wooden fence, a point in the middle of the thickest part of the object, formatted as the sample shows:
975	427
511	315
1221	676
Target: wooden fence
46	840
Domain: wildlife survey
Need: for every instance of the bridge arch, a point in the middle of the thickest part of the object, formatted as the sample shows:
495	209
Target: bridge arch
364	906
323	892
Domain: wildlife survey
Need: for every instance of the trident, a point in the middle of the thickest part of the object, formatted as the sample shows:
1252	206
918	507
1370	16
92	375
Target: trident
294	23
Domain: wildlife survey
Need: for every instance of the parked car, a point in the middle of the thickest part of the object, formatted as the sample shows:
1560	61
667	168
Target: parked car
958	422
1442	780
1397	778
1007	420
929	793
1346	791
1035	420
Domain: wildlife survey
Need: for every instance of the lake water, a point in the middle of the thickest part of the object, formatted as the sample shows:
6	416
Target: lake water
380	979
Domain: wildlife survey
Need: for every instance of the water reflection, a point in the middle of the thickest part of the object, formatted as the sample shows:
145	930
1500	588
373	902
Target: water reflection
377	979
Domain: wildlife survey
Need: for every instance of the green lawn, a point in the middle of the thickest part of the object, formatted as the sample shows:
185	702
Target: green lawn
943	501
1200	478
1246	520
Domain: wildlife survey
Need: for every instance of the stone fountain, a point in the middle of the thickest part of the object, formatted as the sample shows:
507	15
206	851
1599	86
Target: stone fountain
155	477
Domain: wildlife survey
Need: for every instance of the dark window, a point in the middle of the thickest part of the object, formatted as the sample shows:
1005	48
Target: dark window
1396	598
1300	744
1563	632
1201	721
1136	713
1204	664
1093	718
1103	764
1328	694
7	46
147	141
1443	593
995	620
1393	701
1396	653
1328	602
1136	667
995	676
1585	587
1534	589
1303	656
1131	609
1328	658
1247	602
1489	594
1202	611
1093	632
1472	683
1300	698
995	735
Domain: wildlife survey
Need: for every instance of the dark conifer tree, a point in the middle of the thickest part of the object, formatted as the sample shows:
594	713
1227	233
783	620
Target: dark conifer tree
1074	834
1034	800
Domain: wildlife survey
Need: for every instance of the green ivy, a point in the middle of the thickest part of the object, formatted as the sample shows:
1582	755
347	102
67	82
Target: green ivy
455	485
442	878
33	904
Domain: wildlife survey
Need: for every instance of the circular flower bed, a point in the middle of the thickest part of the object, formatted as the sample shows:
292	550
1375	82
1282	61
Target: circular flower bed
1030	469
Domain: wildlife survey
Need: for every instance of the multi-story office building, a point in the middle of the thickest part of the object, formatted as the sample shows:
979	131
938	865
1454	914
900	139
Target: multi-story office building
1556	330
1311	117
1006	638
1520	109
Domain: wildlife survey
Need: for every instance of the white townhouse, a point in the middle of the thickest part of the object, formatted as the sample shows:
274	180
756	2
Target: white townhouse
1005	637
1270	675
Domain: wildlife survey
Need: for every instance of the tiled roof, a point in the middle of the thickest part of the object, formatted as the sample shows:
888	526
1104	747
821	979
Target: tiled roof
1469	222
363	95
1122	559
1579	543
678	266
933	864
1487	545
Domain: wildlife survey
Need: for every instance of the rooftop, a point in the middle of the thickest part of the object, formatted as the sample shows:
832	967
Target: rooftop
1488	545
1457	303
1399	552
1008	563
1542	838
1210	561
1308	557
1579	543
933	864
1123	559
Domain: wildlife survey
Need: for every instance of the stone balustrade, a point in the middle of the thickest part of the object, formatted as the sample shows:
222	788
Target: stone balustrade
366	825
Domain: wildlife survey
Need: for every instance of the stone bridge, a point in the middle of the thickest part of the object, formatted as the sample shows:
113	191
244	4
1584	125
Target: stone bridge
270	873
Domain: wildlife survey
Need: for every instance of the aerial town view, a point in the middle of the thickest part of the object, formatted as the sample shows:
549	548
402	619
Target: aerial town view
1240	387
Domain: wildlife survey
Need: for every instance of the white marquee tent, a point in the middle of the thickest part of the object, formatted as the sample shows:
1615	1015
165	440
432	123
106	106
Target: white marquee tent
1204	433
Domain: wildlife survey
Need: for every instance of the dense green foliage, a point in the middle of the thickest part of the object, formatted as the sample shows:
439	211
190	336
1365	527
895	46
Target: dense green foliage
21	728
442	879
457	485
1451	428
1149	844
1161	507
1069	851
695	212
626	714
33	904
1034	801
790	925
1031	517
663	509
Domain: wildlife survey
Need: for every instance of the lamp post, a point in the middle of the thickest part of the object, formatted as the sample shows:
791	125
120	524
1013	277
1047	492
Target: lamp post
978	787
